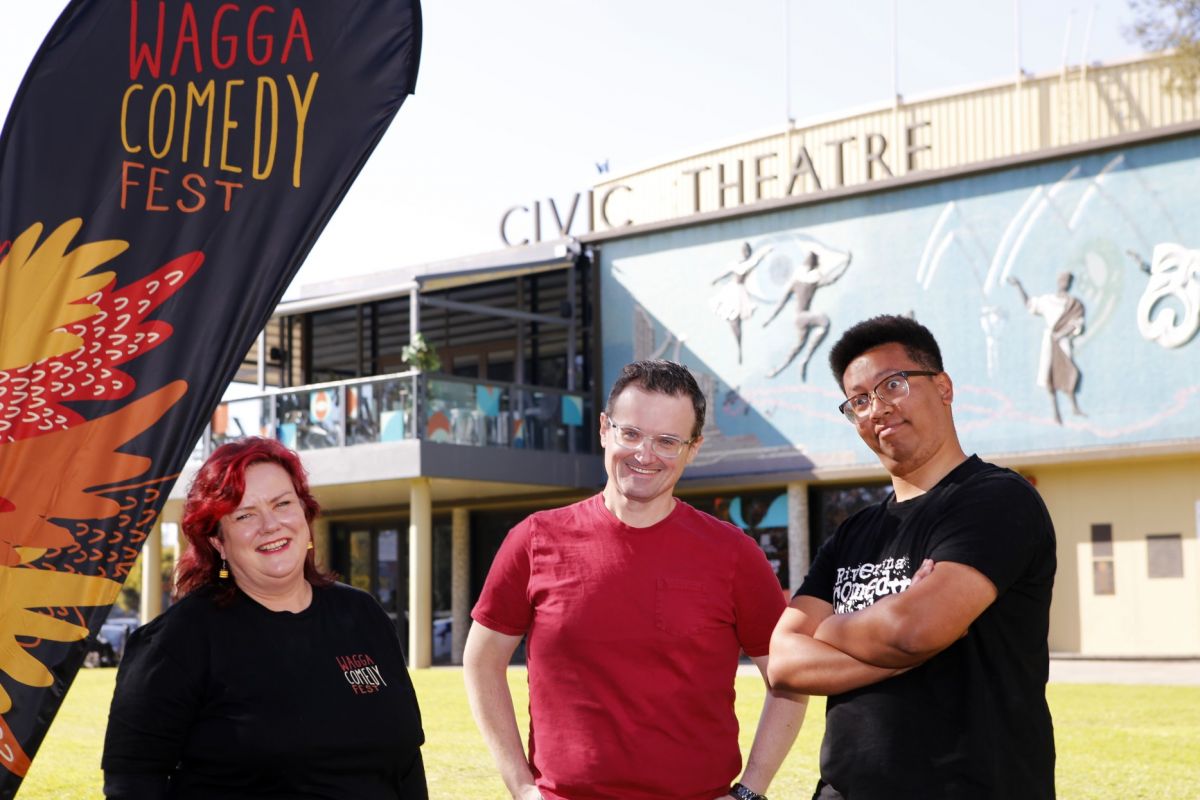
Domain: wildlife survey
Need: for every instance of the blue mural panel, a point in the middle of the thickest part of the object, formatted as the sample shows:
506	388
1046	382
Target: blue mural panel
1065	296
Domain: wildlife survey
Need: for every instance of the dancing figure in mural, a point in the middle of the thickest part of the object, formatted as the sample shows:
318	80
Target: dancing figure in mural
733	303
1057	370
811	326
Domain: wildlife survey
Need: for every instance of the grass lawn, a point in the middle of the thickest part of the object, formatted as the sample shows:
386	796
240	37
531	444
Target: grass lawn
1113	741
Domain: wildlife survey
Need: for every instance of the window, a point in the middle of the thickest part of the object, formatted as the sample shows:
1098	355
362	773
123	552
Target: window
763	516
474	338
374	558
830	506
335	347
1103	577
1164	555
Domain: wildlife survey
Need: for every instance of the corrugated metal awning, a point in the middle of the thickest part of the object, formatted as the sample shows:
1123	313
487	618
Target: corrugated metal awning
441	275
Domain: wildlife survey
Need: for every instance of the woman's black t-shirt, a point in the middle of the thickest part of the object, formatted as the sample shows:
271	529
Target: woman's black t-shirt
238	701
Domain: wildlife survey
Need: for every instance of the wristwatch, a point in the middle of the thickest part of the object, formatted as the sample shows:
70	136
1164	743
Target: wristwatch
741	792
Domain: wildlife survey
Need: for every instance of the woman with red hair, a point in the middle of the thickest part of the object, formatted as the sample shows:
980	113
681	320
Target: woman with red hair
267	679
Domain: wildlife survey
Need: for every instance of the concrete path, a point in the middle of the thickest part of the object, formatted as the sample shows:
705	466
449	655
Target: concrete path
1182	672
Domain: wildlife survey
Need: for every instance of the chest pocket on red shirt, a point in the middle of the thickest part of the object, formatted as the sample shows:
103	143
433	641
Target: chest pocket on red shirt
680	607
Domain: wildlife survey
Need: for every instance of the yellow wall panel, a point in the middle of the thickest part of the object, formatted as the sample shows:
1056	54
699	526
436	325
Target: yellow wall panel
1146	616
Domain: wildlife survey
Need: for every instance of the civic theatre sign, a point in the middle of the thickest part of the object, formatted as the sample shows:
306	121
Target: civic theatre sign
721	183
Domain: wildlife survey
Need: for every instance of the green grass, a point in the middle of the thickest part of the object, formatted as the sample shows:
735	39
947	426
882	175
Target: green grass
1113	741
1126	741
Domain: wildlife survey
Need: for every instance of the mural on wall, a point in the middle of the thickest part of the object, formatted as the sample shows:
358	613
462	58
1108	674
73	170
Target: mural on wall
1065	213
959	255
1063	313
780	271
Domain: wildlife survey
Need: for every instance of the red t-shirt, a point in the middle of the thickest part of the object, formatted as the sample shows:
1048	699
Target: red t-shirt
633	643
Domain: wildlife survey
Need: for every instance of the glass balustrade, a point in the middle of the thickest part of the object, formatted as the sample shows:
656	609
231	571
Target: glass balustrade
393	408
504	415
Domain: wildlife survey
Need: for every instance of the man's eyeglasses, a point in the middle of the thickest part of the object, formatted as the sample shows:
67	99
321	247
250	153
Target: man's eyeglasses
631	438
890	390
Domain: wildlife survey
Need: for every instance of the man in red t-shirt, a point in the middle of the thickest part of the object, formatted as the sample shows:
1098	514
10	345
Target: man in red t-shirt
636	607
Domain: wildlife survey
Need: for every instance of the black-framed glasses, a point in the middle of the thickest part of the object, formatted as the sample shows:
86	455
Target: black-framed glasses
890	390
664	446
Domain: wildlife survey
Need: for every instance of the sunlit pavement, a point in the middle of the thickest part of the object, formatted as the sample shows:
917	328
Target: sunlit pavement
1071	669
1181	672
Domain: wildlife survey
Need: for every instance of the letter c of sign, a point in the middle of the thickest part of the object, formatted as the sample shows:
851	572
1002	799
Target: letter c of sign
604	205
504	226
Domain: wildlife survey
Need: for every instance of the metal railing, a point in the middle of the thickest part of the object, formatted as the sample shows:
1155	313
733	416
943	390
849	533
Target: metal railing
408	405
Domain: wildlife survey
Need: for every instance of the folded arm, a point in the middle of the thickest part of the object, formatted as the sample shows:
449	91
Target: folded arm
800	663
907	629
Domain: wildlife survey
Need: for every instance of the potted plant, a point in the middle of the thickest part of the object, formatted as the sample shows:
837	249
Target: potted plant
420	354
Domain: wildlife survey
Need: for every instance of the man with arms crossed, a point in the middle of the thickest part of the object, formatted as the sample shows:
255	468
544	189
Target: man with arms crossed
635	606
924	618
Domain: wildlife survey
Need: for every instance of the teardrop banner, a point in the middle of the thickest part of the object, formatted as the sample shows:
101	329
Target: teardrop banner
164	170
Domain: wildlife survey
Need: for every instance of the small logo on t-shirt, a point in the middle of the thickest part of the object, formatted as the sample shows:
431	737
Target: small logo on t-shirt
362	673
858	587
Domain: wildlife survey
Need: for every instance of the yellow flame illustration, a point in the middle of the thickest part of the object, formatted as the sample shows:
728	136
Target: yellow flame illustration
44	288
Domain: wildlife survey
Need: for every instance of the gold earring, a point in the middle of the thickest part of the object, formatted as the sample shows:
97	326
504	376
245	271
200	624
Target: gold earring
310	544
223	574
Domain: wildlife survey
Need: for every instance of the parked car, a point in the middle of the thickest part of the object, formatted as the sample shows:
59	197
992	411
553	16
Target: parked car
106	647
442	634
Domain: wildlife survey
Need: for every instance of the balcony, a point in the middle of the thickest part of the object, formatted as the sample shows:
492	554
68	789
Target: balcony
407	406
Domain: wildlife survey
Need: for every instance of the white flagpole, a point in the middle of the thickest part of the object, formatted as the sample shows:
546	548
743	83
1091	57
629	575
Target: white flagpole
895	54
1018	132
1017	39
1087	40
787	58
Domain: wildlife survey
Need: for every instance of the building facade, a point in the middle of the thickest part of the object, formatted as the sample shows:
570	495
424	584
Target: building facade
1045	231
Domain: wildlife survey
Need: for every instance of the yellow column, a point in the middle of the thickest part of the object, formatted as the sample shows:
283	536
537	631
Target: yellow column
460	582
798	534
151	602
175	540
321	541
420	574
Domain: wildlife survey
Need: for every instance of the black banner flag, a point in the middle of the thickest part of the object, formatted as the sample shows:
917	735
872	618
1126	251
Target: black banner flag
164	170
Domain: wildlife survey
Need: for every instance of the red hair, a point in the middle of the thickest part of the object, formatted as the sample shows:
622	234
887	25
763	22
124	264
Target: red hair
215	491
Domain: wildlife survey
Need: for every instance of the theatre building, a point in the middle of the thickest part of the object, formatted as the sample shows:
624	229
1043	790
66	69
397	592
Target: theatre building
1045	231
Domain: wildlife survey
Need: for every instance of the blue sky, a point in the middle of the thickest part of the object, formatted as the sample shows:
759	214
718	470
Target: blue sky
518	101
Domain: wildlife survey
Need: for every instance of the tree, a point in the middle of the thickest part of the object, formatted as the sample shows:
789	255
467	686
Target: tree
1171	27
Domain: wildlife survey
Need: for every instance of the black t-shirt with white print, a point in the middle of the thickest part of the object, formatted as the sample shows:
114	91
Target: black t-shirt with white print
239	701
972	722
